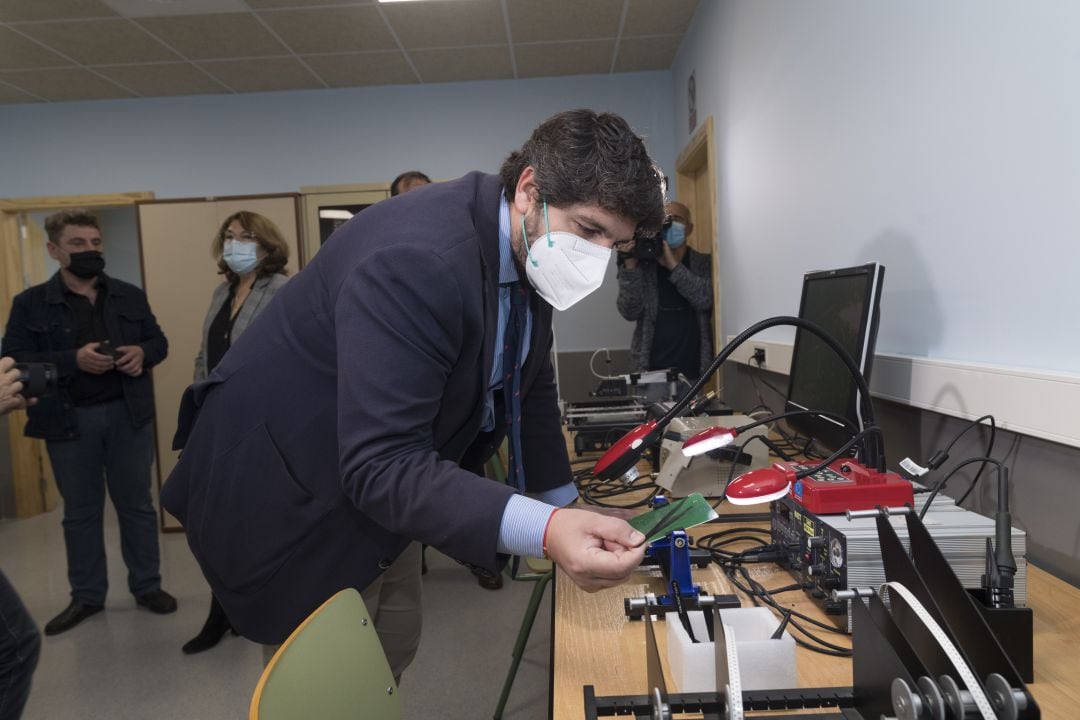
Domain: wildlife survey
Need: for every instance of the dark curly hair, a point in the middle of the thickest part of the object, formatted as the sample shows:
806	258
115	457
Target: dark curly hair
55	223
581	156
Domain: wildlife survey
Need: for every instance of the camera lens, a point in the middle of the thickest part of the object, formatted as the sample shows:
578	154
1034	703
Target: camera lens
38	379
649	248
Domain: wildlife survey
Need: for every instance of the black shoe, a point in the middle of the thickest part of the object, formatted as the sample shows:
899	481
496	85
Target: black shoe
157	601
75	613
489	581
215	627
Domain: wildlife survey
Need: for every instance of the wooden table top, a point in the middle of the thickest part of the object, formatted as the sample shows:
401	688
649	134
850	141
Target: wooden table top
594	643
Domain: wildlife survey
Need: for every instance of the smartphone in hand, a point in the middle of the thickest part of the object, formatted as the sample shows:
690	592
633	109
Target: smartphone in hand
105	348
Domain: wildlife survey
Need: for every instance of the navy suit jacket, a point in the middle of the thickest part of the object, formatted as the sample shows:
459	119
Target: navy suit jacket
330	434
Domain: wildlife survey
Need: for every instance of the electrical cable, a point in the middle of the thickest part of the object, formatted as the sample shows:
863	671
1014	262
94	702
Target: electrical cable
759	595
941	456
1014	448
593	371
754	378
970	461
755	590
732	563
766	383
596	492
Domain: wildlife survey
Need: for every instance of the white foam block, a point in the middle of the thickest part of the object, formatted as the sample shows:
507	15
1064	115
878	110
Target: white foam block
764	663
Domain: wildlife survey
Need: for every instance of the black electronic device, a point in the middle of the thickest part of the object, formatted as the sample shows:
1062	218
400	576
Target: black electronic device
106	348
610	387
838	552
846	303
595	424
650	247
38	379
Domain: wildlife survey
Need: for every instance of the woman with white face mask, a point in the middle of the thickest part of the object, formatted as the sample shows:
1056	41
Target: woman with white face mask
251	253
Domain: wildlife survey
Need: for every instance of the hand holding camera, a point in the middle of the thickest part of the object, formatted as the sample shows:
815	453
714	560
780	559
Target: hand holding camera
22	384
667	257
650	247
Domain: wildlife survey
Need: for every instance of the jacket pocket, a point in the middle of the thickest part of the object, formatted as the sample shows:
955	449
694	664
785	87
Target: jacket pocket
256	513
47	336
131	326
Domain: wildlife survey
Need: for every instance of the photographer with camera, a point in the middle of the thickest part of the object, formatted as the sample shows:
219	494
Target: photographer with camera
666	288
101	336
20	642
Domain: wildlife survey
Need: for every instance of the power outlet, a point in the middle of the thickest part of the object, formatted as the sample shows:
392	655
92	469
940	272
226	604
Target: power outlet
759	356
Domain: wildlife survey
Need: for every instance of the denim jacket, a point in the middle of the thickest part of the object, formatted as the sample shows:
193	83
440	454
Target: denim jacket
41	329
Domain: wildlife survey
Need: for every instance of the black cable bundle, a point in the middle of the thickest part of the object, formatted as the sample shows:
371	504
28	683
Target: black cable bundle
733	565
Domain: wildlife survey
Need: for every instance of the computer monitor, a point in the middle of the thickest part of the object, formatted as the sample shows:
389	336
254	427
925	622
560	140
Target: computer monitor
846	303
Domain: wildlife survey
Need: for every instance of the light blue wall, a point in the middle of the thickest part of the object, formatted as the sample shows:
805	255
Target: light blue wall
278	142
942	138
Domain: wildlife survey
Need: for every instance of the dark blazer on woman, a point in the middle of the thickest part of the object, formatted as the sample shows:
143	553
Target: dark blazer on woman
329	436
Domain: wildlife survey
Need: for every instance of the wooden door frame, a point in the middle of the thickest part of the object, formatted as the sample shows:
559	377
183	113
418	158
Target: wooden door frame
34	484
309	196
699	152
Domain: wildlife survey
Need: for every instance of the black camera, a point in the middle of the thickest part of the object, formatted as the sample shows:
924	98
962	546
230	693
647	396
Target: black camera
652	246
38	379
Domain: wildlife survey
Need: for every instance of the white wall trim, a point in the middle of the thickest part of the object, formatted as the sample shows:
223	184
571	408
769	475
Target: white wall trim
1039	403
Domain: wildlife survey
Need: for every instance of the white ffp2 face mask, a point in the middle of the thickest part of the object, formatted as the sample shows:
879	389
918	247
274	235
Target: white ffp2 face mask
563	267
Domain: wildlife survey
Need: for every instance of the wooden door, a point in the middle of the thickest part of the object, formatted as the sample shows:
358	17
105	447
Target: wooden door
179	277
695	183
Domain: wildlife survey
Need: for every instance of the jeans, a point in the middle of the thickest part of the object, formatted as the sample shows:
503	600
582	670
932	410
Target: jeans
109	451
20	644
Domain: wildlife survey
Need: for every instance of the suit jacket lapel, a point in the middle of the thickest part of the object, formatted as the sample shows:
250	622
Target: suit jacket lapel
487	230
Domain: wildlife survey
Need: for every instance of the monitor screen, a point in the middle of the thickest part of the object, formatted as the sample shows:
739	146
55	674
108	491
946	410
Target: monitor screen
845	303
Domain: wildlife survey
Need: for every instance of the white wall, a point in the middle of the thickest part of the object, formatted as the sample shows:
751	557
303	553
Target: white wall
941	138
278	142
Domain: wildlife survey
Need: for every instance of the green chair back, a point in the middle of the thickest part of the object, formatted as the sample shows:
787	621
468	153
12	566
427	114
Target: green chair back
332	667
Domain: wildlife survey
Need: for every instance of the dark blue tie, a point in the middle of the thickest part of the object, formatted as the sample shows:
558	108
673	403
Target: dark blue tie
513	341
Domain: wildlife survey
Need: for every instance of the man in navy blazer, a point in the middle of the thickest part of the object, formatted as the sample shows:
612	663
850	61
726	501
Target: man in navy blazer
330	436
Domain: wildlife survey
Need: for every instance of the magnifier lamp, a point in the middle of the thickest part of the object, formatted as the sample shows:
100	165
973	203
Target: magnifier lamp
715	438
772	483
621	459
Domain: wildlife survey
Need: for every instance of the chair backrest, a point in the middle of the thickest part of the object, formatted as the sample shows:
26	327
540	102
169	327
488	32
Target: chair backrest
332	667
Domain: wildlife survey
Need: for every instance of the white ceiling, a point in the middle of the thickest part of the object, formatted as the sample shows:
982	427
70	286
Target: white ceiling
58	50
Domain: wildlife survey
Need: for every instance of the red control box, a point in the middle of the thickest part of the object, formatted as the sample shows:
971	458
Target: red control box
847	485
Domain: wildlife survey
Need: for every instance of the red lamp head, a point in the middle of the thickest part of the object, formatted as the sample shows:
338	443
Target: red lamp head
622	457
709	440
760	486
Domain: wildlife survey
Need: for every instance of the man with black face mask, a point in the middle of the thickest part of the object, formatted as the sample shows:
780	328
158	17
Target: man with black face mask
102	337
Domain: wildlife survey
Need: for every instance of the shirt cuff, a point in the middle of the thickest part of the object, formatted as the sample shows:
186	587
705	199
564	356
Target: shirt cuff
522	528
560	496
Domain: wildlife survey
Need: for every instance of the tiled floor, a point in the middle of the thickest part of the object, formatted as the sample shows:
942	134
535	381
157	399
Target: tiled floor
126	663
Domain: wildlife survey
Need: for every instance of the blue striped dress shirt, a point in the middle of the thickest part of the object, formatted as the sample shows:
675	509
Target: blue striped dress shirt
524	519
